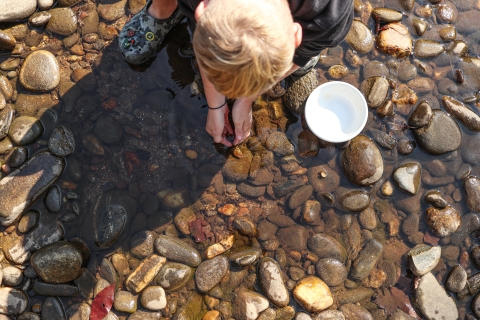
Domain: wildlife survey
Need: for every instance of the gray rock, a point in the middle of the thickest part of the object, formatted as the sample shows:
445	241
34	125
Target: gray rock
108	129
286	187
28	183
63	21
293	238
59	262
456	279
355	200
248	190
52	308
40	72
6	118
55	290
432	300
374	69
299	196
461	112
332	271
408	177
322	178
53	199
423	258
472	189
325	246
362	161
12	301
421	116
18	157
39	19
470	223
248	305
210	272
375	90
141	244
443	222
298	91
442	134
279	143
271	282
174	276
153	298
29	221
11	10
177	250
360	37
25	316
366	260
25	130
61	142
425	48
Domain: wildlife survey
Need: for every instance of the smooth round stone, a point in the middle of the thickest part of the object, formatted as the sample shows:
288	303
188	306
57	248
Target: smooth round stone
6	118
25	130
248	305
78	311
7	41
112	11
59	262
57	290
461	112
448	33
141	244
13	10
299	196
245	257
124	301
408	177
331	271
210	272
366	260
374	69
40	72
432	299
279	143
375	90
248	190
360	37
442	134
174	276
436	199
355	200
368	218
387	15
421	85
271	282
338	71
313	294
39	19
325	246
18	157
475	255
52	308
354	311
362	161
407	72
420	26
447	12
311	211
53	199
443	222
245	225
12	301
61	142
323	178
99	286
12	276
153	298
63	21
421	116
28	221
177	250
25	316
425	48
108	129
456	279
330	315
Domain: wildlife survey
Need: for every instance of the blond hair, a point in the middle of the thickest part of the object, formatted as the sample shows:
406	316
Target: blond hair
245	46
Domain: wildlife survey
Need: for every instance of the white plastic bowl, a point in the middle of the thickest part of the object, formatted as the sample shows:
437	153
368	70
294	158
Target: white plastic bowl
336	111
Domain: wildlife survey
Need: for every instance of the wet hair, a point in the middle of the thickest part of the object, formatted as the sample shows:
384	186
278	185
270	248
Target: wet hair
245	46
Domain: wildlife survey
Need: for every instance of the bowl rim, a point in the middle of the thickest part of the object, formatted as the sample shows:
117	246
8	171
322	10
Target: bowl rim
364	121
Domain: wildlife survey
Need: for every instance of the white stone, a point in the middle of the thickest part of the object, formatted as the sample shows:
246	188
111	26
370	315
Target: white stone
153	298
45	4
248	305
433	301
12	276
423	258
11	10
12	301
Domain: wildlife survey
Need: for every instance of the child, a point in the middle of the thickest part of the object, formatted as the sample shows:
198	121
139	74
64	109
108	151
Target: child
243	47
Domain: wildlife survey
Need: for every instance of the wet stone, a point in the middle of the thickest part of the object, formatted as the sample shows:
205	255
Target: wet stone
427	48
153	298
18	157
329	315
423	258
39	19
362	161
63	21
28	221
421	85
443	222
472	189
421	116
248	190
299	196
406	146
271	282
407	176
27	183
52	308
236	169
40	72
12	276
331	271
61	142
355	201
293	238
124	301
59	262
13	10
407	72
442	134
394	39
25	130
279	143
448	33
456	279
354	311
78	311
470	223
366	260
431	299
323	178
311	211
298	92
447	12
420	26
313	294
7	41
245	257
53	199
6	118
374	69
360	37
436	199
210	272
325	246
141	244
108	129
375	90
248	305
55	290
177	250
463	113
145	272
387	15
112	11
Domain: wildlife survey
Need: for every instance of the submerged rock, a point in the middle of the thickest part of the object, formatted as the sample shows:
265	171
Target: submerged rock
408	176
313	294
423	258
432	300
463	113
271	281
394	39
443	222
472	188
174	276
360	37
375	90
248	305
25	130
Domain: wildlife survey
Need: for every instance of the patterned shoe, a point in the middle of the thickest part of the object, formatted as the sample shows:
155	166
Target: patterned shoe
142	37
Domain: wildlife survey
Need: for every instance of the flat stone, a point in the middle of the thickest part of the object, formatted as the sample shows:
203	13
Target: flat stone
355	200
210	272
63	21
40	72
144	273
45	4
12	301
423	258
22	187
25	130
325	246
248	305
366	260
313	294
12	10
408	177
472	189
432	300
271	282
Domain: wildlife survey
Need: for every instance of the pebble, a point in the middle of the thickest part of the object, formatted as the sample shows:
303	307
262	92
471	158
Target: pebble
421	85
293	238
271	282
322	178
245	257
298	92
461	112
425	48
153	298
25	130
12	276
362	161
299	196
145	272
436	199
331	271
368	218
366	260
279	143
441	135
61	142
423	258
354	311
312	294
456	279
448	33
394	39
375	90
27	184
443	222
360	37
124	301
329	315
13	10
39	19
112	11
387	15
53	199
108	129
40	72
6	118
55	290
447	12
420	26
18	156
248	305
338	71
355	200
177	250
7	41
421	115
78	311
432	300
210	272
52	308
141	244
472	189
407	176
325	246
237	169
248	190
12	301
29	221
245	226
63	21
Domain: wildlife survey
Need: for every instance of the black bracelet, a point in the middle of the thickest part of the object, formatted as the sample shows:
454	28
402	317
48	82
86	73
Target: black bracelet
218	107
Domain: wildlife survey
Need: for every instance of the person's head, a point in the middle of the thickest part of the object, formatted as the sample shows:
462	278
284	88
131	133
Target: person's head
245	46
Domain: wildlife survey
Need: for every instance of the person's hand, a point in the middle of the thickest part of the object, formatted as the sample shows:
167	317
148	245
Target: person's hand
242	119
218	125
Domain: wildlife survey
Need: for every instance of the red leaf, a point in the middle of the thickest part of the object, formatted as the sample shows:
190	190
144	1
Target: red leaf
102	303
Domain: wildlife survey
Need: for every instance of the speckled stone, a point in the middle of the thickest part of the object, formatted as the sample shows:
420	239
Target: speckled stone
40	72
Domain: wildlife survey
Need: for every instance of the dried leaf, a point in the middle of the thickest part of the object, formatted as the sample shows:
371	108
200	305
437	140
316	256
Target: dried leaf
102	303
403	302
